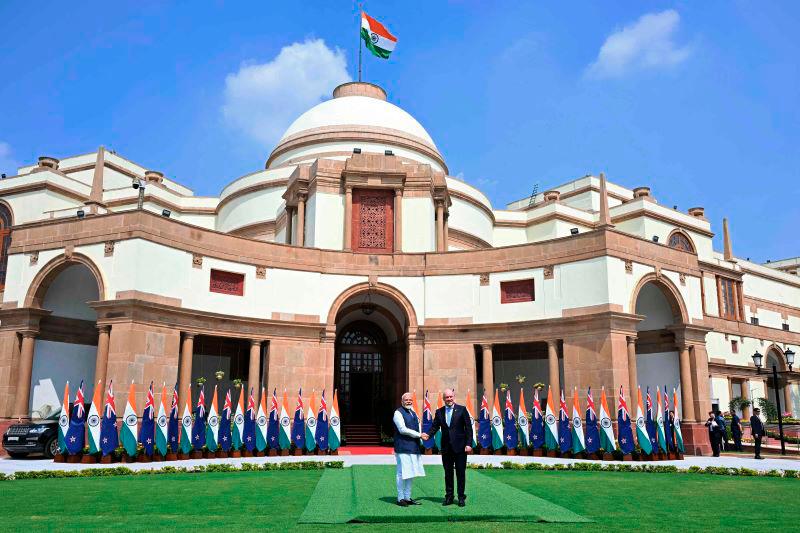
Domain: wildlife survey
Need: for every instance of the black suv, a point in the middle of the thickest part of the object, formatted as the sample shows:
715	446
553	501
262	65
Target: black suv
32	437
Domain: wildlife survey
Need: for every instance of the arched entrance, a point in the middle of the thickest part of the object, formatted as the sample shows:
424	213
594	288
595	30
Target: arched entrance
370	370
774	357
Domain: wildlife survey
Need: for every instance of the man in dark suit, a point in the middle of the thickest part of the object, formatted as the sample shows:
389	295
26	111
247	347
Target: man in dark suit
456	427
757	430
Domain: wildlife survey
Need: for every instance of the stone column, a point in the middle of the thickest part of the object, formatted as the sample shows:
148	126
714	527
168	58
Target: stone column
746	395
488	370
254	373
101	362
301	219
348	219
22	400
446	232
185	371
398	220
787	396
633	378
439	226
699	370
688	412
289	228
552	360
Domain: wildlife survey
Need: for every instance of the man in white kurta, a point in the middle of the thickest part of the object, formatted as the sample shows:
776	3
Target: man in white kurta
409	464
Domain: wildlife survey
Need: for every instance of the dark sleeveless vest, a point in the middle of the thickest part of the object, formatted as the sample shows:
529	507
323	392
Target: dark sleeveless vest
403	443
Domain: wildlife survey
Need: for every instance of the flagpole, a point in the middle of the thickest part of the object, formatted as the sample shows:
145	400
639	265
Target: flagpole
360	42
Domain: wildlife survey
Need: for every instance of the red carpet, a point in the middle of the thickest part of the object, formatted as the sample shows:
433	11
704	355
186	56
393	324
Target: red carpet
366	450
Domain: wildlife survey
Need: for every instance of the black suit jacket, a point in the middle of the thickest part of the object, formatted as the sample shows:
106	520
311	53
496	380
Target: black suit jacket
756	426
458	435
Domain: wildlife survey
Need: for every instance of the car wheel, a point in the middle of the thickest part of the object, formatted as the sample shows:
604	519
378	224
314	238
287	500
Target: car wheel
51	448
17	455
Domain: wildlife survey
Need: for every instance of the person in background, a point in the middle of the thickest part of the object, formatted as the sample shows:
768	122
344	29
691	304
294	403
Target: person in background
723	432
757	430
736	431
713	432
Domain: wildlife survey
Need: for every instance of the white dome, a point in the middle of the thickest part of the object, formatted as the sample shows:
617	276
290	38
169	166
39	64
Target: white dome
358	111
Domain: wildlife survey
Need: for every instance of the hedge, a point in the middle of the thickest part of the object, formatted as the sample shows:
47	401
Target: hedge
125	471
653	469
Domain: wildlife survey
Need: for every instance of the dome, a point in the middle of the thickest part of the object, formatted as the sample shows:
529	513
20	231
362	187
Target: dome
355	105
358	115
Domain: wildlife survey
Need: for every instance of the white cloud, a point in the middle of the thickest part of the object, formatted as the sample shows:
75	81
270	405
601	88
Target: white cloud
262	99
8	165
647	43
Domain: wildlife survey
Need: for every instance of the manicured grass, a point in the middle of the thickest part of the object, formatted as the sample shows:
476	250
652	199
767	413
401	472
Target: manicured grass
275	500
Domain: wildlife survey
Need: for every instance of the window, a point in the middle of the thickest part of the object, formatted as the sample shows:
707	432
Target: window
727	298
5	242
373	221
735	346
680	241
516	291
786	327
754	320
226	282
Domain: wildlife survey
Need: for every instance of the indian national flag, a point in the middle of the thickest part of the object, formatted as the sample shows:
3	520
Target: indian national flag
376	37
578	442
662	438
161	423
677	423
311	423
186	423
93	420
522	420
130	427
212	429
285	434
237	437
261	422
642	436
550	423
471	413
335	428
607	440
497	424
63	421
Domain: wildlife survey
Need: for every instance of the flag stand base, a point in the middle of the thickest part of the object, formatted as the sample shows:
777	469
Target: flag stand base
247	453
222	454
646	457
196	454
260	454
183	456
673	456
273	452
235	454
661	456
297	452
73	458
158	458
58	458
485	451
497	452
127	458
511	452
627	457
551	453
284	453
107	459
88	460
334	452
607	457
537	452
171	457
145	459
523	452
428	451
679	457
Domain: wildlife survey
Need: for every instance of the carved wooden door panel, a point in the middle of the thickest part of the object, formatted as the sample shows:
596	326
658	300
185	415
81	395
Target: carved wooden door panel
373	221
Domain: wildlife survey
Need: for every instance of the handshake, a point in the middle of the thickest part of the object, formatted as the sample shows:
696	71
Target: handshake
424	436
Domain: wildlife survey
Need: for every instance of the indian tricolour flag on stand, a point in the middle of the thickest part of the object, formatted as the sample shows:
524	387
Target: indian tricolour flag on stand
335	428
161	423
522	420
607	441
237	437
186	423
311	423
212	429
497	423
63	422
578	442
662	438
261	422
471	413
677	423
376	37
93	420
550	423
285	435
642	437
130	424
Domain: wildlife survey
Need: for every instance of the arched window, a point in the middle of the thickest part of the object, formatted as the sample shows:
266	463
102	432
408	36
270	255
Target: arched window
680	241
5	242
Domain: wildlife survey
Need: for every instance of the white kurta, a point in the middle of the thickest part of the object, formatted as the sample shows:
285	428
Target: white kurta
409	465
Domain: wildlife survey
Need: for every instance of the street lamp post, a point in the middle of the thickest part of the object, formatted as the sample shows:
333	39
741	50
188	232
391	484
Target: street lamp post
758	360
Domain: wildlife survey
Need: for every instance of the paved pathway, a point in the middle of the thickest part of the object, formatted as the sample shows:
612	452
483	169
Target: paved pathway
9	466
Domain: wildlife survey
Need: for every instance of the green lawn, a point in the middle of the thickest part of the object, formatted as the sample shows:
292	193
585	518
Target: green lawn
272	500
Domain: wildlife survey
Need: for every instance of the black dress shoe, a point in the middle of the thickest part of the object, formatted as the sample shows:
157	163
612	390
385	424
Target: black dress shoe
412	501
447	501
402	503
461	503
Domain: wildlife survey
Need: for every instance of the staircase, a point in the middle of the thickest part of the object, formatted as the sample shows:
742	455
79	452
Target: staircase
362	435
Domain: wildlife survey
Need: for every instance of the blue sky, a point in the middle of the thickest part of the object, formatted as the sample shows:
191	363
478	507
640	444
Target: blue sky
700	101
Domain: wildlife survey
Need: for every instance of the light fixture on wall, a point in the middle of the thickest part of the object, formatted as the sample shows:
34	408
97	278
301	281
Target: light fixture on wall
367	307
574	231
356	150
81	213
655	238
388	152
166	213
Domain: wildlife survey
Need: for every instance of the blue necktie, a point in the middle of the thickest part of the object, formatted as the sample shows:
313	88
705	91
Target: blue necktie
448	415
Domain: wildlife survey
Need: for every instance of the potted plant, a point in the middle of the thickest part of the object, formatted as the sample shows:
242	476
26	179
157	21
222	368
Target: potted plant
237	383
219	374
200	381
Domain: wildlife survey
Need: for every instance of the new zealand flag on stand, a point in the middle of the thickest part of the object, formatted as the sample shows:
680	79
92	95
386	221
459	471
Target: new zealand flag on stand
650	422
592	434
173	426
484	424
299	425
668	429
624	431
564	427
77	424
274	426
510	436
249	434
109	438
225	423
147	431
199	427
427	421
322	423
537	422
